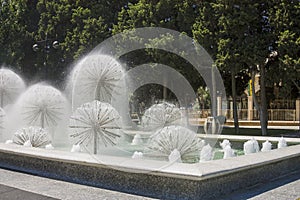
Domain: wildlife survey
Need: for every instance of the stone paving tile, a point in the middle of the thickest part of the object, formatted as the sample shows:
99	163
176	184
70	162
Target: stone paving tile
287	191
58	189
282	188
9	193
4	188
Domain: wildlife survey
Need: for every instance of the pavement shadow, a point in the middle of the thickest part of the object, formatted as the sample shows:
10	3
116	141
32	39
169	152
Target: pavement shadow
261	188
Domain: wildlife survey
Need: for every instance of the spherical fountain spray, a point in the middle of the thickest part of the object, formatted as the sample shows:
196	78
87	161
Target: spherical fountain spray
95	78
32	136
161	115
42	106
95	122
11	86
165	142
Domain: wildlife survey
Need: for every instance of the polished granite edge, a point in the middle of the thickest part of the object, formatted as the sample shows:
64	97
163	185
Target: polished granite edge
205	180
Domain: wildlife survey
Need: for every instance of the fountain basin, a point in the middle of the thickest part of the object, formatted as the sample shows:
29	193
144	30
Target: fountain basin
237	141
205	180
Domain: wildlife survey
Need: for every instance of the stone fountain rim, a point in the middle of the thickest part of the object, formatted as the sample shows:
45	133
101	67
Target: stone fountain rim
197	171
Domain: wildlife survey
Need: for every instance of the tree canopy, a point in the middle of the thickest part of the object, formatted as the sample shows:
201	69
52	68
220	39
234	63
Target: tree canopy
239	36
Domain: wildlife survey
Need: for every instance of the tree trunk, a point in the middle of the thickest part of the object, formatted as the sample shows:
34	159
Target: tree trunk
214	92
235	113
264	108
253	92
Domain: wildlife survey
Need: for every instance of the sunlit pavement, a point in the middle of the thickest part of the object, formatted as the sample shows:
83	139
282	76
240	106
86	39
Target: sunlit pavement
19	186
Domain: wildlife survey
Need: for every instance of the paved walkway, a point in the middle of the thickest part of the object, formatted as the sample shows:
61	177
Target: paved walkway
282	188
19	186
10	193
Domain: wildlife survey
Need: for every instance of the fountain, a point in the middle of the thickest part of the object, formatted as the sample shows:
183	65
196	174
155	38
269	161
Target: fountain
49	147
225	143
161	115
32	136
228	152
206	153
137	155
163	143
95	121
95	77
281	143
11	86
43	106
267	146
137	140
226	147
251	146
175	156
102	155
76	148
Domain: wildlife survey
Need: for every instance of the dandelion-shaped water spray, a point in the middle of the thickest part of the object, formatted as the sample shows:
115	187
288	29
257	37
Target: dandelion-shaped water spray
2	115
11	85
166	140
95	122
43	106
96	77
35	136
161	115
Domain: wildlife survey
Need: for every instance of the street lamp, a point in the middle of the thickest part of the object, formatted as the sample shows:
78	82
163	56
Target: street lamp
3	6
4	3
45	46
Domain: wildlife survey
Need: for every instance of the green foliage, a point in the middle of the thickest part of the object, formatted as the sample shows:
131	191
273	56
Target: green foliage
177	15
13	33
238	35
173	14
285	20
77	25
203	96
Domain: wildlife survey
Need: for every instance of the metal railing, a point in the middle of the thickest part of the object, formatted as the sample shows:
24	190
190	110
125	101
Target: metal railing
273	114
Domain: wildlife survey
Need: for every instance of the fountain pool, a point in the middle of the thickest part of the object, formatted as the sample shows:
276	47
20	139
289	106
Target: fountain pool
147	177
164	159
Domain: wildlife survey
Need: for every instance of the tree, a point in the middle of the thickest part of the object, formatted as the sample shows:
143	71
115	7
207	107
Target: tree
77	25
238	35
260	38
176	15
216	29
203	97
285	19
14	32
205	29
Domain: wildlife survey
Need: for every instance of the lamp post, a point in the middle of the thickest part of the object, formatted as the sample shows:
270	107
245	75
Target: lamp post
4	3
3	7
44	46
